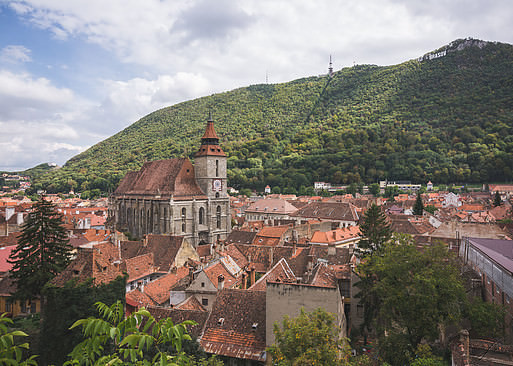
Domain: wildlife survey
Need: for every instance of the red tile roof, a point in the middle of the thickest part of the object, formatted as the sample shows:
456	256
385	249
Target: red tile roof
173	177
158	290
236	326
336	236
137	299
5	252
281	272
139	266
191	303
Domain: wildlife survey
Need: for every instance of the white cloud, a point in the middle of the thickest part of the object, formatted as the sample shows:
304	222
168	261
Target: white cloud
15	54
22	95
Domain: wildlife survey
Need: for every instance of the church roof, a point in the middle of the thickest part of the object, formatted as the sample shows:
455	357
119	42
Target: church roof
210	132
210	142
172	177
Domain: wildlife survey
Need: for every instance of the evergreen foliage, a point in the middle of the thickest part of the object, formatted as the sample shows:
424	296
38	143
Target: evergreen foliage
375	230
63	306
42	252
448	119
418	207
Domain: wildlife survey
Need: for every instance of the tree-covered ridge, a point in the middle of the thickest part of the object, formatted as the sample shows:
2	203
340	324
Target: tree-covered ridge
446	119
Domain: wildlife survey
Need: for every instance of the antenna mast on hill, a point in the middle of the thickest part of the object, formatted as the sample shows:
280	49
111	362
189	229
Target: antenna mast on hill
266	77
330	69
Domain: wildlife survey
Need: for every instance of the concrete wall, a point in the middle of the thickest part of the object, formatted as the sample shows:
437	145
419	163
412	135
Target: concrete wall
288	299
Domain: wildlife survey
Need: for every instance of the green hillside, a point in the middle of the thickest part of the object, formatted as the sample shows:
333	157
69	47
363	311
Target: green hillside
444	119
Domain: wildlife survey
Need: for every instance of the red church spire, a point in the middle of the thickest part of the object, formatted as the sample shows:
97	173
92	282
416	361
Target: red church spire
210	141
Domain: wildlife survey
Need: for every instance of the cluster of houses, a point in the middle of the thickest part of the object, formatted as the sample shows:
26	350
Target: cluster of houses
237	265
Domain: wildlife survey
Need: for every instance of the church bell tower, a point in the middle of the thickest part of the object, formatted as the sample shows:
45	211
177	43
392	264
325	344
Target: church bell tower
210	164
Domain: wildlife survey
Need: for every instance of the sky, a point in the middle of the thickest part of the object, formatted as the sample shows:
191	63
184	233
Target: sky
74	72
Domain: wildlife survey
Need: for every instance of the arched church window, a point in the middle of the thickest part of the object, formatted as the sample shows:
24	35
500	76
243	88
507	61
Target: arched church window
218	216
184	220
201	217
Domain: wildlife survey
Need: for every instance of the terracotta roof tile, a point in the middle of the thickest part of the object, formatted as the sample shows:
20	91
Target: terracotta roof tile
173	177
324	276
271	206
159	289
328	211
180	315
236	326
191	303
97	263
280	272
5	252
214	271
241	237
136	298
139	266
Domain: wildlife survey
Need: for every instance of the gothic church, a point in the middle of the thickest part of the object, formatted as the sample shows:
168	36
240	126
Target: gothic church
176	197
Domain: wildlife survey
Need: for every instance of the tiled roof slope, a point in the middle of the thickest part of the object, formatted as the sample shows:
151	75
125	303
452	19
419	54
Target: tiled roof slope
324	276
328	211
158	290
281	272
179	316
137	299
163	247
139	266
236	326
191	303
271	206
96	263
241	237
172	177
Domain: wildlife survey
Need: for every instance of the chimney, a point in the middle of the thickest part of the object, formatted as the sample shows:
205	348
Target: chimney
220	282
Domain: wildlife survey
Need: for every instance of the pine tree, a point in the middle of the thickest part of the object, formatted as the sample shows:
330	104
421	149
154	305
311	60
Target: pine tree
43	250
418	207
375	230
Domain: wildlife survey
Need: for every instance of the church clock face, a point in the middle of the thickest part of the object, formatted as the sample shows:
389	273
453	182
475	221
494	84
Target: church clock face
217	185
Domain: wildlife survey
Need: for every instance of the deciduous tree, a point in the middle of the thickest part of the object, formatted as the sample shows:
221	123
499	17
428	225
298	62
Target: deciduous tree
409	295
309	339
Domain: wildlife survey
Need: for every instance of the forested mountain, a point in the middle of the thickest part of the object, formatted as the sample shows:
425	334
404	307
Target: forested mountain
445	117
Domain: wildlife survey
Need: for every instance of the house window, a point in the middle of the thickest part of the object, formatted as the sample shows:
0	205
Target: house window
201	216
23	306
8	305
204	301
184	222
203	284
33	309
218	216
